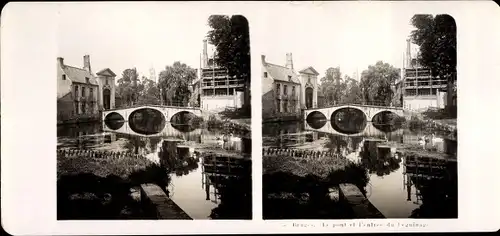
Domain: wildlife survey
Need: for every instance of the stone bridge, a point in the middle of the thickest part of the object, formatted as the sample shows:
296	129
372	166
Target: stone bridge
167	111
167	131
369	110
370	130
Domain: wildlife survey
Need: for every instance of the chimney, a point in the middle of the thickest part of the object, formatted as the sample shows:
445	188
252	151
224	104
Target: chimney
205	54
408	54
86	63
289	62
60	61
263	58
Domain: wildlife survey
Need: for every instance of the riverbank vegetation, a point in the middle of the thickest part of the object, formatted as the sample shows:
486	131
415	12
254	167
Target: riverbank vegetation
308	188
101	188
216	122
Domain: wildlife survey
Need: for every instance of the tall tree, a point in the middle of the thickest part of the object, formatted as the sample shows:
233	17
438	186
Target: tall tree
437	38
150	93
333	86
353	91
376	83
175	81
230	36
127	87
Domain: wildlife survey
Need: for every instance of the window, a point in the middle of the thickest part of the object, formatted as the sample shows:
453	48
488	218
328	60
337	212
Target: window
285	106
293	90
289	78
278	105
87	80
63	77
265	74
309	79
285	89
76	90
278	88
83	91
107	81
83	107
91	90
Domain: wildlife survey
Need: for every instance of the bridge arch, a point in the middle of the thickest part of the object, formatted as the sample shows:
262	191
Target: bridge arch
114	120
348	120
147	120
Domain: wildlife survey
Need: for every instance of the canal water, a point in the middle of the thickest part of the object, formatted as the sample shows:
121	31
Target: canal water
189	186
396	189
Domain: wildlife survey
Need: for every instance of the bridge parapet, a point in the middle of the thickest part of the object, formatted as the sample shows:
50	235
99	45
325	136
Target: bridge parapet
156	106
369	110
299	153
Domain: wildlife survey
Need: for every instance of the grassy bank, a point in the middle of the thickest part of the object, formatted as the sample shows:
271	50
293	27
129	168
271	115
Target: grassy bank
428	126
301	188
93	188
215	121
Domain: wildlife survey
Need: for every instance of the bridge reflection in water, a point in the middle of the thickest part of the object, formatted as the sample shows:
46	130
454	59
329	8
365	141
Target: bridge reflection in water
429	185
169	130
369	130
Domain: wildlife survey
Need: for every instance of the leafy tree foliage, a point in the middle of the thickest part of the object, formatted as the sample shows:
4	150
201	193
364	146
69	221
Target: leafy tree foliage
230	36
376	83
128	88
437	38
336	89
134	91
174	82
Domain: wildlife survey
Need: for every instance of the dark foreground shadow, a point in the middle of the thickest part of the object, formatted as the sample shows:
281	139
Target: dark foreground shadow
86	196
236	199
439	195
288	196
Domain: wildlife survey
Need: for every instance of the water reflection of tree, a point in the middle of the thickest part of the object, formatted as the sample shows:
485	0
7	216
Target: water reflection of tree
439	194
175	163
135	143
236	198
382	163
348	120
146	121
339	143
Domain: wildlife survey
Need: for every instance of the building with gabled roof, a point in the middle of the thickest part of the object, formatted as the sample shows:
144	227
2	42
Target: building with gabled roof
285	92
80	93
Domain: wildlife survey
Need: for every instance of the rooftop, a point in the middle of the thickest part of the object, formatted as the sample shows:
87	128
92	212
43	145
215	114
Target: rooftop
78	75
281	73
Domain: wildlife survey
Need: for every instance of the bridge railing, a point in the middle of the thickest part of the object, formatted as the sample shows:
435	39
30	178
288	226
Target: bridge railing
173	105
370	103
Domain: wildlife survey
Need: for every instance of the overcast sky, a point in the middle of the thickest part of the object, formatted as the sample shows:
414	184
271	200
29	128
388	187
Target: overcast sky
122	36
129	36
349	37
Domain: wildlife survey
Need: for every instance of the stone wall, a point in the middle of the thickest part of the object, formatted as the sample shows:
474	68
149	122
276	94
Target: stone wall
156	203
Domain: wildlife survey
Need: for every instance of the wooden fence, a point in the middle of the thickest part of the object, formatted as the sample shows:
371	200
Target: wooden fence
96	154
298	153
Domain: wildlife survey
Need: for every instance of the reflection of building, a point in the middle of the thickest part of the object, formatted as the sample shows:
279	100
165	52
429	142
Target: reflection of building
79	92
419	90
215	88
284	92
